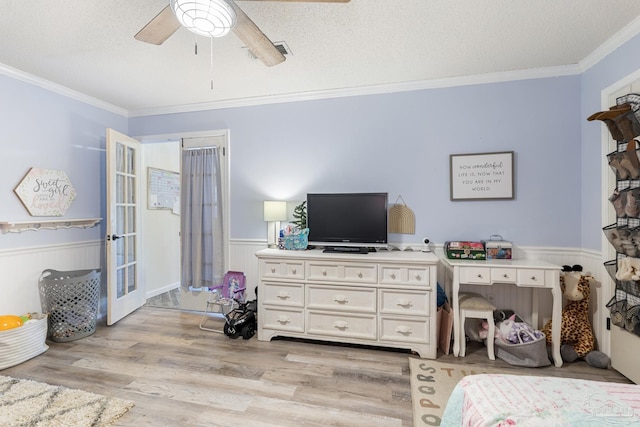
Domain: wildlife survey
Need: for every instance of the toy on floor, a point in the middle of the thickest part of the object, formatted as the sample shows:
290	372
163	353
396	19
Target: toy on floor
243	320
576	335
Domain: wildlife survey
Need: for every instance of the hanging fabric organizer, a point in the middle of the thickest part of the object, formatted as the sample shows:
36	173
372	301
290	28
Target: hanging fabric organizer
401	218
623	122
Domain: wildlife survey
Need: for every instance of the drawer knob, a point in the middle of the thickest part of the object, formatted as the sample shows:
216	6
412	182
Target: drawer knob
324	272
293	270
403	330
341	299
273	269
283	320
340	324
360	274
534	278
418	277
393	275
479	276
505	275
284	295
404	303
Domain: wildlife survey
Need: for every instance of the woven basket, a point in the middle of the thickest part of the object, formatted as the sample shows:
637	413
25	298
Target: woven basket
20	344
71	299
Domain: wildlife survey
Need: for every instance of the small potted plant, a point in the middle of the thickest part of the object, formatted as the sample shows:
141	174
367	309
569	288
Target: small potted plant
300	215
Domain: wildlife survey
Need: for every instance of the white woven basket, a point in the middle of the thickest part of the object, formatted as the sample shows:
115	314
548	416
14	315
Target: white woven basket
20	344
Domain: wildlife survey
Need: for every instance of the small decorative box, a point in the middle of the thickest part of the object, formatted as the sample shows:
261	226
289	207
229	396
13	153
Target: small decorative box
465	250
498	248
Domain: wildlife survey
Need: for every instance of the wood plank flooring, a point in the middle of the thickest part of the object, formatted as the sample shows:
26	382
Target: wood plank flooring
179	375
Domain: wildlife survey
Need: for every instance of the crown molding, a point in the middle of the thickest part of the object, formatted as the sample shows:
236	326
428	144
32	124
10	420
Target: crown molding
60	90
365	90
618	39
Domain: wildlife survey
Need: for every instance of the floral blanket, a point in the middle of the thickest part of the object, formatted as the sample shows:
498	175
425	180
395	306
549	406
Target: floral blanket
515	400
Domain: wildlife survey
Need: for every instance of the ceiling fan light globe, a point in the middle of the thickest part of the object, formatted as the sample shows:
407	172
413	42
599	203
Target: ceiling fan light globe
209	18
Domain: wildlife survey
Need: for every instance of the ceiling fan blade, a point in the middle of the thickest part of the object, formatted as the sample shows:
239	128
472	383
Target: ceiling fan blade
254	38
159	28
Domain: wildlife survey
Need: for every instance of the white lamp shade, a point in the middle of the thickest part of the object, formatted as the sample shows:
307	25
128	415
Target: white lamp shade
209	18
275	210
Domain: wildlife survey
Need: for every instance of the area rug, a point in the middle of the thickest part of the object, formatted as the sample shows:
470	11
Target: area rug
26	403
431	385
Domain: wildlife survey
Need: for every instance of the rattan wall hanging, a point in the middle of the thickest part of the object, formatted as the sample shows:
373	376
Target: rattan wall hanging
401	218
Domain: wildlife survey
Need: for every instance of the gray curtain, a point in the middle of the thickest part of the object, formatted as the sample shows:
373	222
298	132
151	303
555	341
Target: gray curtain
202	257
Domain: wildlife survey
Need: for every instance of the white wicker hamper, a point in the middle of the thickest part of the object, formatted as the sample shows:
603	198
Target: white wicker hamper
20	344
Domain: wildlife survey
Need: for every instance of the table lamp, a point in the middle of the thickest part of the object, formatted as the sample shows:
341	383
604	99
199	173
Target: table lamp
274	212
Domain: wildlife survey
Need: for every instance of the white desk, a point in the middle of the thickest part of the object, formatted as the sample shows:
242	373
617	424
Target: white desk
522	273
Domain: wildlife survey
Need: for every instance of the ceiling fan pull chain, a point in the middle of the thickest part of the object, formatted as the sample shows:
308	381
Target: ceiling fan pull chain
211	63
195	48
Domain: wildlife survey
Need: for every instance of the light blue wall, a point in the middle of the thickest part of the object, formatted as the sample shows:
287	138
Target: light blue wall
40	128
400	143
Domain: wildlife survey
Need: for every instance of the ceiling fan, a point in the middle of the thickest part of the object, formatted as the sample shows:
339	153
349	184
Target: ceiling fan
165	23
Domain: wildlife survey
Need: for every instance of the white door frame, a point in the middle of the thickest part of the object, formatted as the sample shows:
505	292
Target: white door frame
225	158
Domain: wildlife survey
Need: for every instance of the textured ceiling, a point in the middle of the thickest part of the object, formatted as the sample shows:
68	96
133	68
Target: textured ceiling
88	45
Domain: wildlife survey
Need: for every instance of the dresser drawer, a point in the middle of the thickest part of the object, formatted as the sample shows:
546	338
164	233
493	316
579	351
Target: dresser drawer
282	319
342	325
342	298
276	269
402	329
398	275
346	272
285	294
531	277
503	275
414	303
477	275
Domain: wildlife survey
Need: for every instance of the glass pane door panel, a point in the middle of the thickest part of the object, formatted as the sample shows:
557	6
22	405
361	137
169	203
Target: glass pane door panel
131	250
119	189
119	158
131	271
120	283
120	219
131	224
120	258
131	186
130	161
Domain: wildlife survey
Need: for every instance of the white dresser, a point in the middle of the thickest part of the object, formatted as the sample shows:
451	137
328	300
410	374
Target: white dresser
384	298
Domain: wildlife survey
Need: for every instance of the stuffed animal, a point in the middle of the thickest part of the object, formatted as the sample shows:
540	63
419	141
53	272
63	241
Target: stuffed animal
514	332
628	269
576	335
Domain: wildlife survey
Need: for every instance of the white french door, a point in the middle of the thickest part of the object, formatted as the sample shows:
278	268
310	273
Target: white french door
125	290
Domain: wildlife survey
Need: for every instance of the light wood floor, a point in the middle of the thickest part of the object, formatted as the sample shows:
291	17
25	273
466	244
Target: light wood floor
179	375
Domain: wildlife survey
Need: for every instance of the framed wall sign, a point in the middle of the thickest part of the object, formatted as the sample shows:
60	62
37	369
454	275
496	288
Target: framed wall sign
482	176
46	192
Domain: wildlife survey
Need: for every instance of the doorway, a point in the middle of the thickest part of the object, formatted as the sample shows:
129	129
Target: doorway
161	227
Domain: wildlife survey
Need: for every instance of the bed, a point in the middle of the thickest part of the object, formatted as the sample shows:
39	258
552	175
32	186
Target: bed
518	400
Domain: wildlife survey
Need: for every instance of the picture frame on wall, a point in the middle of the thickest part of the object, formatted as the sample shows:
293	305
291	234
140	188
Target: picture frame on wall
482	176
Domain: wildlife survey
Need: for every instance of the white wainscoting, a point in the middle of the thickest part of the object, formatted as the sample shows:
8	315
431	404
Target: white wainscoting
22	268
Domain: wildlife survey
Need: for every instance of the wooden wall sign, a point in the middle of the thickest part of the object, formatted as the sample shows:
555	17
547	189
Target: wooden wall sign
46	192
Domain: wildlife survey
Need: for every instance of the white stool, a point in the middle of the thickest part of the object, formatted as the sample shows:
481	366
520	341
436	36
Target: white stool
475	306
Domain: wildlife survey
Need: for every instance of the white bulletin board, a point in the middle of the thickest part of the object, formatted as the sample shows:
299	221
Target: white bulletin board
484	176
163	189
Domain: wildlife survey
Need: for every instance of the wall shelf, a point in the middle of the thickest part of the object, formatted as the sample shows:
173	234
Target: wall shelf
49	224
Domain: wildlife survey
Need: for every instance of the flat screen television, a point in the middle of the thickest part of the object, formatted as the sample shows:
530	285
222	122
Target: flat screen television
339	221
